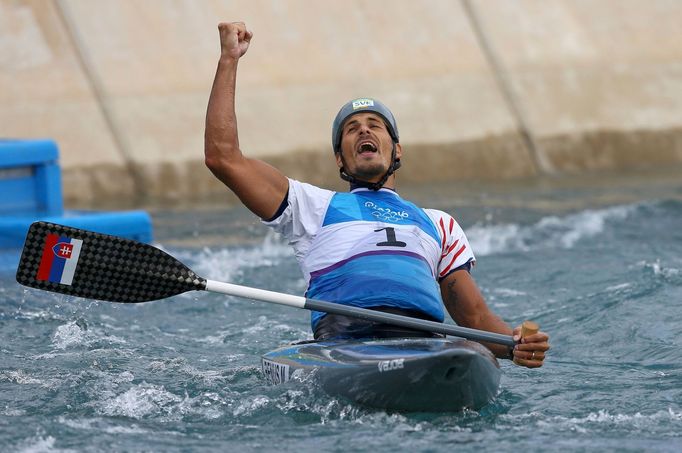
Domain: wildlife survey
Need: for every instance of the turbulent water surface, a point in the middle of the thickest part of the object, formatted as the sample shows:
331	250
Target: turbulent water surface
183	374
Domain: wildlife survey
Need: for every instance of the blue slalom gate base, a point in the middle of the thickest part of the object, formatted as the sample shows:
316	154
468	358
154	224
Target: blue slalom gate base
135	225
31	190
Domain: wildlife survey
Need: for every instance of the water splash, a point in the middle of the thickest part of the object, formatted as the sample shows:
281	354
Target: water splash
70	334
249	407
229	264
663	271
548	232
40	444
100	425
603	419
140	401
20	377
76	333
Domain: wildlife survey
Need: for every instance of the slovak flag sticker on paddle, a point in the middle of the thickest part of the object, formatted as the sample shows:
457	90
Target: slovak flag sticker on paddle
59	260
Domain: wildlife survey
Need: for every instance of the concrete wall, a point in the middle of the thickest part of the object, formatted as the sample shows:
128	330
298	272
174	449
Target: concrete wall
481	88
599	82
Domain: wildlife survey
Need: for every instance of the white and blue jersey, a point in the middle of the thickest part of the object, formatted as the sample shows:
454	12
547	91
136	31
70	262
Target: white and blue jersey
371	248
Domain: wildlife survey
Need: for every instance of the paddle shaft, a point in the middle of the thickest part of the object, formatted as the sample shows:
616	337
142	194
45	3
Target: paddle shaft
371	315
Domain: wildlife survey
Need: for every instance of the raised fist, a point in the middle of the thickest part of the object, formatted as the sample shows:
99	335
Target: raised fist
234	39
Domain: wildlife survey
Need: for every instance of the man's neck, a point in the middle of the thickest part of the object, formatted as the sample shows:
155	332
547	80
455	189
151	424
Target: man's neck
389	184
385	186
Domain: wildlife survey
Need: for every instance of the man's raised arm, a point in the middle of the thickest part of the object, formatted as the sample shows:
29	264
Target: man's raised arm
258	185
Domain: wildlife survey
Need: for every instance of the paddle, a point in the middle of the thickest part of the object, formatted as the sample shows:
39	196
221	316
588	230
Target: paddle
82	263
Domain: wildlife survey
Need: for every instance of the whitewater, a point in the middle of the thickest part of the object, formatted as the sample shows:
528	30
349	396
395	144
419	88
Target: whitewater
183	374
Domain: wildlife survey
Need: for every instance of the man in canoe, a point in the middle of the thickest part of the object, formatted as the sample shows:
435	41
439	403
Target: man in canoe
367	247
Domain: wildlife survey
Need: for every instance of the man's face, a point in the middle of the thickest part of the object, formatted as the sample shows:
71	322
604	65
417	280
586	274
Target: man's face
366	146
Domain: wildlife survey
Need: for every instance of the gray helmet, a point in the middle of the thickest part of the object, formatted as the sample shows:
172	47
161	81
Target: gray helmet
362	105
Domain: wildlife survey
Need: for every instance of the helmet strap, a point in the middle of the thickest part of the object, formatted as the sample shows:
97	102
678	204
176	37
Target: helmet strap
395	164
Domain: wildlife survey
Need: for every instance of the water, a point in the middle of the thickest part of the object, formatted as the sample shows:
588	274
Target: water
605	279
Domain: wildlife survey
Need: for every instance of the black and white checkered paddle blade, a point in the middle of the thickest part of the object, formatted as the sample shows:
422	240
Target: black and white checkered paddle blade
82	263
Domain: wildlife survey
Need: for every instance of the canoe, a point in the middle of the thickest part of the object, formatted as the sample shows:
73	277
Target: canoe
405	375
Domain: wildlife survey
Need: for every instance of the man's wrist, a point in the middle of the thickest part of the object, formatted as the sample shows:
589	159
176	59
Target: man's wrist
226	59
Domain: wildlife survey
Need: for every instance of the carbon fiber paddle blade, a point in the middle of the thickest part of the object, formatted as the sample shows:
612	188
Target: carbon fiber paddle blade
82	263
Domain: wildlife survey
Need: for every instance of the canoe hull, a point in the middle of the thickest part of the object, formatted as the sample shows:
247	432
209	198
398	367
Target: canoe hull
415	374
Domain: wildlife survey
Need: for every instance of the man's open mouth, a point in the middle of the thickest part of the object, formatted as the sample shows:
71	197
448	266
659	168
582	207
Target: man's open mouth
366	147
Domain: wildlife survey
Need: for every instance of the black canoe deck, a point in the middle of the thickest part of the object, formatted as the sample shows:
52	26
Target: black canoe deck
413	374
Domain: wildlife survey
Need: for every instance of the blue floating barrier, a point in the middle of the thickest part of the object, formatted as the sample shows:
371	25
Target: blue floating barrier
31	190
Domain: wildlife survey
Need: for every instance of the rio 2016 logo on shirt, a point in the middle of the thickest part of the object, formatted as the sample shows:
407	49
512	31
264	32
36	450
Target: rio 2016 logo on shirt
362	103
386	214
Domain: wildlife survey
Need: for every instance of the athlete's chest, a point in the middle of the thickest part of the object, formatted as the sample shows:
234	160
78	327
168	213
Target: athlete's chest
385	209
356	227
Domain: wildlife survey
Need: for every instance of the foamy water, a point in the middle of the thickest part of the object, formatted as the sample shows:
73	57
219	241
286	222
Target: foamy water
183	374
549	232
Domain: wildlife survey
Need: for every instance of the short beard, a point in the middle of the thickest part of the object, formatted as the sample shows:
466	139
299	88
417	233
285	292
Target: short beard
370	172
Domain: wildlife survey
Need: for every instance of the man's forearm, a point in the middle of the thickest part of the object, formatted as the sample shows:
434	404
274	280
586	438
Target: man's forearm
467	307
492	323
221	141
